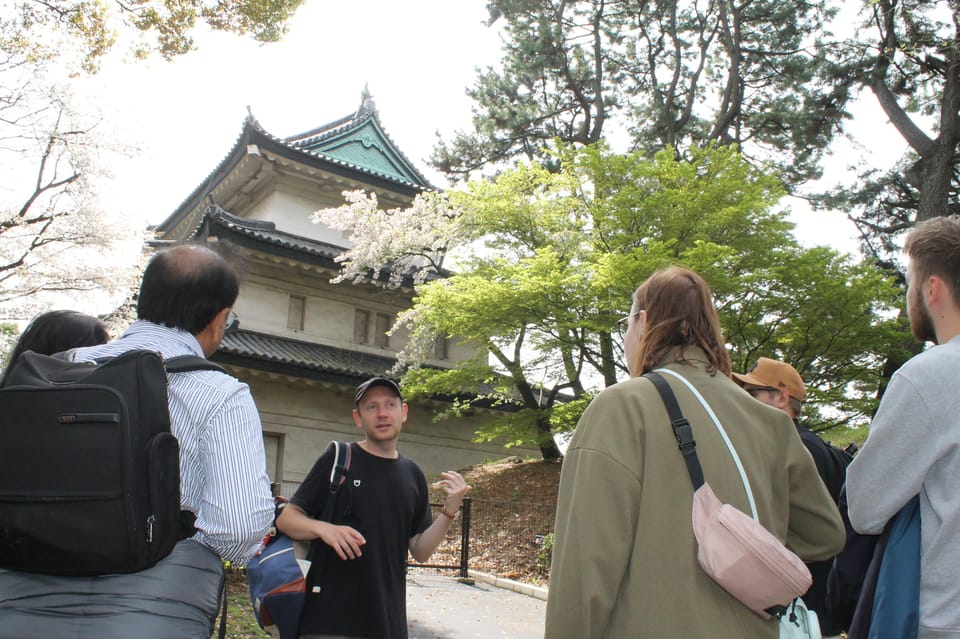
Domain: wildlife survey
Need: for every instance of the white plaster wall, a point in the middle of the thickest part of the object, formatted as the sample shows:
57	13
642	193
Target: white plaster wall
259	308
291	212
264	302
263	305
265	309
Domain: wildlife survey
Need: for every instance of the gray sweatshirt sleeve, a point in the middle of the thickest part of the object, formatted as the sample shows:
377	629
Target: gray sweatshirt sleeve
890	468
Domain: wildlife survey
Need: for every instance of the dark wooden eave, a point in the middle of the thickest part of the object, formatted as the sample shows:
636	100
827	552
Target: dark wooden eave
264	237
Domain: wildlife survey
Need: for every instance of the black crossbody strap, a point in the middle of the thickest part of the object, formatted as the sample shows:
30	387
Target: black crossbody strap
338	474
681	428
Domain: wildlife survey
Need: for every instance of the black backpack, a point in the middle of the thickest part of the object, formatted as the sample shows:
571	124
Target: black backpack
90	472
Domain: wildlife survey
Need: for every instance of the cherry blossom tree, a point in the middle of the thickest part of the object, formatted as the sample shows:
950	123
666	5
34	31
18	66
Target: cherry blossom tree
54	237
411	242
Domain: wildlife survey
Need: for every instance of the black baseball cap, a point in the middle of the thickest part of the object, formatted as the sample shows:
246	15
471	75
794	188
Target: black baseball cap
376	381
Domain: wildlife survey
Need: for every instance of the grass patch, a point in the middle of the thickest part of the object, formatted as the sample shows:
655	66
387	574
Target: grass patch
841	437
241	622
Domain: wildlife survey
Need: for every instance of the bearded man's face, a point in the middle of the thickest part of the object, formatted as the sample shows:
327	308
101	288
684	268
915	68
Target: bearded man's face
920	322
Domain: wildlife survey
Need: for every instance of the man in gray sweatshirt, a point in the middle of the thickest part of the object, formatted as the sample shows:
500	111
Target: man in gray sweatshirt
914	441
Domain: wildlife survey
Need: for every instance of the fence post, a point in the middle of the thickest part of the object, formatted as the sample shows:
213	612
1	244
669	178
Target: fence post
465	538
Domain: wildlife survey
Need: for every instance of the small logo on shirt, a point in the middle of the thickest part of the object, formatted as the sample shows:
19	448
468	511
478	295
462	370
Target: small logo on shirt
356	483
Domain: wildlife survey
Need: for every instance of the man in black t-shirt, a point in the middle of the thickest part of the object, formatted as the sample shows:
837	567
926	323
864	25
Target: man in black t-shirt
383	512
778	384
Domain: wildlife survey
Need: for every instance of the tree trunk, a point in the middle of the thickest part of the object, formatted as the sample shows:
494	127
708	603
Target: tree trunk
938	164
548	446
608	360
937	173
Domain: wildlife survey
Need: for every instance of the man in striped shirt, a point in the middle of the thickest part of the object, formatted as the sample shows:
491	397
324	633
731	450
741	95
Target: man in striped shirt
185	302
184	308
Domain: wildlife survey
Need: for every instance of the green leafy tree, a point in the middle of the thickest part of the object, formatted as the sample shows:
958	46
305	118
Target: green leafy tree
906	55
669	75
548	260
829	316
771	77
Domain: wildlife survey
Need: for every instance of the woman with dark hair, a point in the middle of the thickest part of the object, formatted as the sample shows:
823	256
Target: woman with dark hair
624	555
55	332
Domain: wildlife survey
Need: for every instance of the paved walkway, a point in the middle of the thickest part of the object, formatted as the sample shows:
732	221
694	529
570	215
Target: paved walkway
440	607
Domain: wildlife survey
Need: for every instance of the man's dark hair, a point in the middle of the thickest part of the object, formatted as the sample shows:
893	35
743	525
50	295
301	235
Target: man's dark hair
185	287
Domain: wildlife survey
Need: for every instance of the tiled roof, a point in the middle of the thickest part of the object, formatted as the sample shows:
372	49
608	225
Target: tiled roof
302	359
367	109
285	356
318	151
264	236
267	232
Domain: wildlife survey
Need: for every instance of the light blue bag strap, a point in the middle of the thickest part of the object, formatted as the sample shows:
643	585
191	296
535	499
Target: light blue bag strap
723	434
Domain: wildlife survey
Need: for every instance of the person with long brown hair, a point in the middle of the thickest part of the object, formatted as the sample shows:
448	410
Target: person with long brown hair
624	555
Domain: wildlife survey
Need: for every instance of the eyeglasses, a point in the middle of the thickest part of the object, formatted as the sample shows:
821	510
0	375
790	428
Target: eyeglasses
231	322
756	390
624	322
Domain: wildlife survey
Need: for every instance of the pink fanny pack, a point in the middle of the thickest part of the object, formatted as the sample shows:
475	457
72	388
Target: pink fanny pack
734	549
743	557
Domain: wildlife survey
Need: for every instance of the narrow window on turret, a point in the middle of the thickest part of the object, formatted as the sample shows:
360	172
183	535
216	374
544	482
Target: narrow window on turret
440	347
361	332
295	312
384	324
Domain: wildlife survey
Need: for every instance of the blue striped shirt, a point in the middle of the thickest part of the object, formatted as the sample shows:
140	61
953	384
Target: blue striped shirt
223	476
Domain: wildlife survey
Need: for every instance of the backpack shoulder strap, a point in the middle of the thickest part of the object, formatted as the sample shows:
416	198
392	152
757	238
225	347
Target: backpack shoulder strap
188	363
342	454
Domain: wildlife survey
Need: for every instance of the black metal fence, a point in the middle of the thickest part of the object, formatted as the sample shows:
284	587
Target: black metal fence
498	537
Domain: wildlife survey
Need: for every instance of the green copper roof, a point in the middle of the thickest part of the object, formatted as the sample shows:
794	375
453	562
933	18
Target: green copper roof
360	140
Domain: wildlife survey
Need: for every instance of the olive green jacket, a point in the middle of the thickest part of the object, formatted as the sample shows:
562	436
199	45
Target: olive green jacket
624	555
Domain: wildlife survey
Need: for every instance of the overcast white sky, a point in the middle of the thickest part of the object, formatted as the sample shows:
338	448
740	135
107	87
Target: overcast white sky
417	59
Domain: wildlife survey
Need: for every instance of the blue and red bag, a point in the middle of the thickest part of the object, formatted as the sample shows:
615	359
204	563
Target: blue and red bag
276	578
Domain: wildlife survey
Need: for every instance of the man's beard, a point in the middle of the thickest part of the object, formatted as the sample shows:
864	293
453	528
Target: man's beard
920	322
